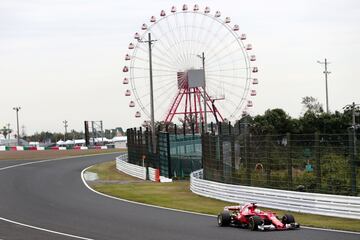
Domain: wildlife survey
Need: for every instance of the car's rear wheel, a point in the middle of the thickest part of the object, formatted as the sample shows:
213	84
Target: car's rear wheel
224	219
254	222
287	219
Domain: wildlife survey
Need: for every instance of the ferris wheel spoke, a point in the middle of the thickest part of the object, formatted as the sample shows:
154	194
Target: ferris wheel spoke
162	98
194	48
228	54
175	43
154	55
234	95
217	52
167	49
153	69
242	86
206	36
227	69
224	107
214	45
178	29
168	87
146	87
229	91
155	62
231	61
198	34
164	51
221	76
141	77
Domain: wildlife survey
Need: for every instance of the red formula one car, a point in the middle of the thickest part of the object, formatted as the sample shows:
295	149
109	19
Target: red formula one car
250	216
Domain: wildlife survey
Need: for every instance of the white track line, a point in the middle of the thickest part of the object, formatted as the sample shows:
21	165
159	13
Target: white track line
183	211
51	160
39	228
44	229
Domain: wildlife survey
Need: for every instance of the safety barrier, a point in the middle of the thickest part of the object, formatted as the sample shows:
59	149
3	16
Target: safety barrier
135	170
314	203
130	169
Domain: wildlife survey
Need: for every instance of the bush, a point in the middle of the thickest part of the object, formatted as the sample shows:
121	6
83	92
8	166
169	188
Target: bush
335	174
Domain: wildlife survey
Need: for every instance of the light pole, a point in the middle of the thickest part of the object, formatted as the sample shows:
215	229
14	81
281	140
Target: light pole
326	72
17	124
65	126
354	108
202	56
149	41
9	132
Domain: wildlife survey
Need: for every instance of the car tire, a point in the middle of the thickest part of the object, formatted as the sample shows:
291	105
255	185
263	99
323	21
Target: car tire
254	222
287	219
224	219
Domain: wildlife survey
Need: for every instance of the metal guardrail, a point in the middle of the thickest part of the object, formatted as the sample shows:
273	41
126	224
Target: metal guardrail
314	203
130	169
134	170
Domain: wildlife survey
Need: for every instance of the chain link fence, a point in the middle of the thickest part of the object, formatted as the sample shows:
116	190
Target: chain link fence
316	162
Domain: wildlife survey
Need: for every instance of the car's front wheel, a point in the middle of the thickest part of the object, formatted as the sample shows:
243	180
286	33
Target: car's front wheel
254	222
288	218
224	219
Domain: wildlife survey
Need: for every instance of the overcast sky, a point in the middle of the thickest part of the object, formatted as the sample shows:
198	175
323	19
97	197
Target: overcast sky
62	59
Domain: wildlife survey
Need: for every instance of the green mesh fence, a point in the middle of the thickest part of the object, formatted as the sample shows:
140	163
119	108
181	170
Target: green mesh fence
307	162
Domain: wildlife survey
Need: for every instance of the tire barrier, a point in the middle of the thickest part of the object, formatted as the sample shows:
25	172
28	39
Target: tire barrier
302	202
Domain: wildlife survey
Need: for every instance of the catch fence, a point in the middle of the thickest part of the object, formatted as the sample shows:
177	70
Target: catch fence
321	163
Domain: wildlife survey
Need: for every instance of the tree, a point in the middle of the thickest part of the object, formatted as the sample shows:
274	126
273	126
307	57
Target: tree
275	121
5	131
312	105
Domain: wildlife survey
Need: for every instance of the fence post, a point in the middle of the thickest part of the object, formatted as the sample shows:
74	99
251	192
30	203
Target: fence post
232	141
220	168
318	162
268	159
289	149
168	154
247	157
352	150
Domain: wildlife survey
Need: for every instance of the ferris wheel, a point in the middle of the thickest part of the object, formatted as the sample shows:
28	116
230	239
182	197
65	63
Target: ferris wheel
201	67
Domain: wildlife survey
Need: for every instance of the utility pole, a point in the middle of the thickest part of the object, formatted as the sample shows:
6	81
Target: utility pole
149	41
202	56
326	72
65	126
17	124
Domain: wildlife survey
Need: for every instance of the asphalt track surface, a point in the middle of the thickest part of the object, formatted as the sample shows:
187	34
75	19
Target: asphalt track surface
51	195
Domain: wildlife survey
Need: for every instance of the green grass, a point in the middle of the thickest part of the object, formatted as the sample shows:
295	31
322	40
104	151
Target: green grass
177	195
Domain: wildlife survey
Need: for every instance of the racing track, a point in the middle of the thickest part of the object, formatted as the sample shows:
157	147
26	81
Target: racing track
52	196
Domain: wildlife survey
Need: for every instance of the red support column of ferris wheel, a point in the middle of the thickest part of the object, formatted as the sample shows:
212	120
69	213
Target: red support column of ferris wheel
190	106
